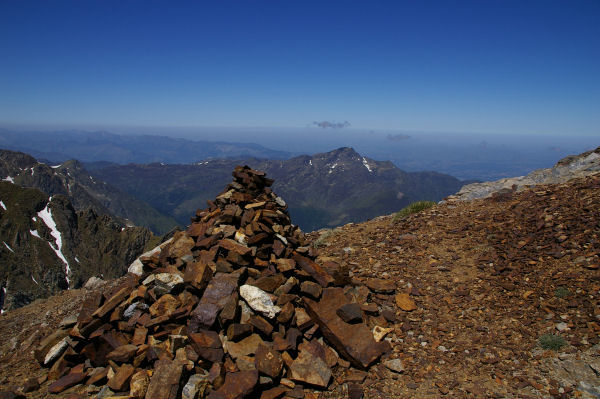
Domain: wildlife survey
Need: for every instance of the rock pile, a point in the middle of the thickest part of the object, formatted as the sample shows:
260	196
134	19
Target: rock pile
232	306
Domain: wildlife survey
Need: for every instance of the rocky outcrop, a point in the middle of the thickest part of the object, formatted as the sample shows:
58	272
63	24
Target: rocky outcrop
47	246
585	164
233	306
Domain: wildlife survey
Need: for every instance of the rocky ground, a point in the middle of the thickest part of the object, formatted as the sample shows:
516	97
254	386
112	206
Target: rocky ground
573	166
477	285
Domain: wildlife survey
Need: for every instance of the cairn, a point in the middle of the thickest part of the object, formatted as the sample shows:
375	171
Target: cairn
234	306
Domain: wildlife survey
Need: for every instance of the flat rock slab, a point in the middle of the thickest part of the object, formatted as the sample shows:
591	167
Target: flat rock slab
123	353
113	302
245	347
312	268
268	361
138	385
353	341
237	385
232	245
197	274
66	382
274	393
207	345
404	302
214	299
310	369
380	285
181	245
120	381
350	313
164	383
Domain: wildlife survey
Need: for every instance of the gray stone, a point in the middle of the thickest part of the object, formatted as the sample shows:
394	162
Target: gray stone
195	386
93	283
132	308
259	300
171	280
68	321
56	351
568	168
394	365
137	267
104	393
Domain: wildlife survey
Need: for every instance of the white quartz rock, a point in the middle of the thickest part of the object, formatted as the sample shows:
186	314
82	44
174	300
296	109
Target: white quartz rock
259	300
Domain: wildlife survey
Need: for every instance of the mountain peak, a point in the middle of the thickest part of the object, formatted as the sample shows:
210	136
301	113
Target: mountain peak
340	153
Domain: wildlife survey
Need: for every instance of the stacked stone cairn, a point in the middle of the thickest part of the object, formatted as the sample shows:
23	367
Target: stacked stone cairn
233	307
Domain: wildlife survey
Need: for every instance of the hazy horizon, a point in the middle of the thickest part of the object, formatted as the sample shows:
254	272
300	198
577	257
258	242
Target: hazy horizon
463	155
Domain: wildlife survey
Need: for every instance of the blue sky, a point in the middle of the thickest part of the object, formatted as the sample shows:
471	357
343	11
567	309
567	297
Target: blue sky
460	66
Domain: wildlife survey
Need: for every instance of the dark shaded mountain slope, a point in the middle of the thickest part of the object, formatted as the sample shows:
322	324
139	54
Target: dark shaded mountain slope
47	246
72	180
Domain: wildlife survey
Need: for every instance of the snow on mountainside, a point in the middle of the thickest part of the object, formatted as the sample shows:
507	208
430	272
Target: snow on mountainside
71	179
47	246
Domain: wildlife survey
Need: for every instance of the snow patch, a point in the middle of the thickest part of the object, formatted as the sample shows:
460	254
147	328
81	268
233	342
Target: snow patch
3	298
9	248
2	205
56	166
76	260
332	167
364	161
35	233
310	162
9	179
34	280
46	215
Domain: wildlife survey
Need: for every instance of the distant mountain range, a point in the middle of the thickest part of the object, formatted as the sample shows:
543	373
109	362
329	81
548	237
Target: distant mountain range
323	190
60	146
